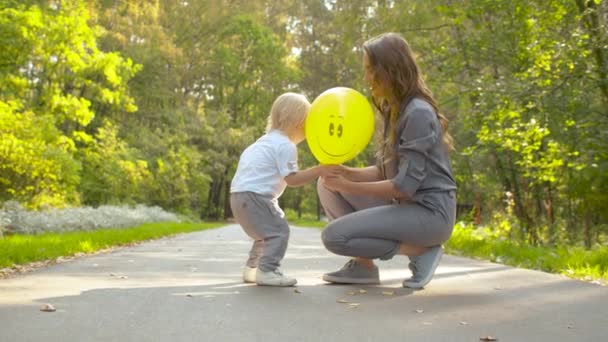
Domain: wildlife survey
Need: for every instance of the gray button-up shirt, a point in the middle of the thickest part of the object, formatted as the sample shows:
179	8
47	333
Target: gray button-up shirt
421	163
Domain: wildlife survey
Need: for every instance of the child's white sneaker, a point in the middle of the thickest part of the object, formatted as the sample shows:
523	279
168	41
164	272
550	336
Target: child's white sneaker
249	274
273	278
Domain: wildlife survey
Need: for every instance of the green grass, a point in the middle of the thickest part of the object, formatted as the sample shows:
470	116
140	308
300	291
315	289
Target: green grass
574	262
23	249
307	223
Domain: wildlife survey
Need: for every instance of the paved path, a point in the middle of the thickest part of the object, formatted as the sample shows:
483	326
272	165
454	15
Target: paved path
188	288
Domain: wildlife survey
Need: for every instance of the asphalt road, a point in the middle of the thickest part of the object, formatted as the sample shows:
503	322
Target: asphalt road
188	288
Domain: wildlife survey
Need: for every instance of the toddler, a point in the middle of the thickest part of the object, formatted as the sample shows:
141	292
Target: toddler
264	170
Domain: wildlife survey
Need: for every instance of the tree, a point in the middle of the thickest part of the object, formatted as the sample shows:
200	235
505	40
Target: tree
53	80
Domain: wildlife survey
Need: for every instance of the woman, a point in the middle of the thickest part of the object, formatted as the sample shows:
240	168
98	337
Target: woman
406	204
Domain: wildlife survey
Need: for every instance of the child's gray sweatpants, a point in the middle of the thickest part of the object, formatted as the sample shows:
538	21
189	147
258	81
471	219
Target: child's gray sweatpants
264	221
372	228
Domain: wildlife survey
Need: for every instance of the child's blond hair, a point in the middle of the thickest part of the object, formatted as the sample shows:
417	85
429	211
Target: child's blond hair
288	110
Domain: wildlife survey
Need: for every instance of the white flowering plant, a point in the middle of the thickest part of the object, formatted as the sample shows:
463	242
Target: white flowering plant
15	219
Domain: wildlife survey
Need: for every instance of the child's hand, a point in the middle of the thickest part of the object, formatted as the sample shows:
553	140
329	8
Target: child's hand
331	170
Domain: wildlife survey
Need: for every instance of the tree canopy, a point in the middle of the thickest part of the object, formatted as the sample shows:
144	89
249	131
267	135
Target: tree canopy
152	101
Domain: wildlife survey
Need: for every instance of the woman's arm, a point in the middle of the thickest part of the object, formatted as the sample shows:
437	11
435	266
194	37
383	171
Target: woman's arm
366	174
382	189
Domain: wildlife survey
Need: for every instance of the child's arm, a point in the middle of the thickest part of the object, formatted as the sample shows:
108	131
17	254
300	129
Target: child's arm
303	177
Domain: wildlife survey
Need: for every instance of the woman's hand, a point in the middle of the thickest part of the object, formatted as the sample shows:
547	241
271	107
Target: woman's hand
336	183
332	170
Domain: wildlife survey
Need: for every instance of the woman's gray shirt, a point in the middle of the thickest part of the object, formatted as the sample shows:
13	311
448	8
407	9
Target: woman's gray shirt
421	162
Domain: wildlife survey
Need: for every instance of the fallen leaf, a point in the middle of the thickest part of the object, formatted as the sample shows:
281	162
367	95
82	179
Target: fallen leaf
362	291
112	275
189	295
353	305
351	293
488	338
342	301
464	323
419	311
388	293
123	277
48	308
296	291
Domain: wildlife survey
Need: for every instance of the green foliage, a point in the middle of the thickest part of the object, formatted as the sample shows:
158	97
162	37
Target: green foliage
525	93
23	249
36	164
153	101
53	78
576	262
110	172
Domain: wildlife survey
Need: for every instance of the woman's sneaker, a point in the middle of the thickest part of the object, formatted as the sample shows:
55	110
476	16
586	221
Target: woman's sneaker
273	278
423	268
354	273
249	274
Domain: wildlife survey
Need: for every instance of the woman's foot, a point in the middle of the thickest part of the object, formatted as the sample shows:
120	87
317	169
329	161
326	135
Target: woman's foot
423	267
353	272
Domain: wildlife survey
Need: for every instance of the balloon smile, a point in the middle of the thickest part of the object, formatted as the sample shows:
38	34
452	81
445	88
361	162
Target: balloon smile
330	154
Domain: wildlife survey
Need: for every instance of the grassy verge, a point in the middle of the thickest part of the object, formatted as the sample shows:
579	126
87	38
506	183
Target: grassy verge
23	249
574	262
307	223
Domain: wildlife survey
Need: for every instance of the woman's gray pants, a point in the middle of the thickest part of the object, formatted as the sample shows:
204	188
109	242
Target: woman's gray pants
372	228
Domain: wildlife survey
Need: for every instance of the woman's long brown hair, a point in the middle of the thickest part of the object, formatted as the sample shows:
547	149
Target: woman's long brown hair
397	77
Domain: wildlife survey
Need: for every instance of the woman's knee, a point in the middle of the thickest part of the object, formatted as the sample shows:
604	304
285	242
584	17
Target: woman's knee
322	191
333	240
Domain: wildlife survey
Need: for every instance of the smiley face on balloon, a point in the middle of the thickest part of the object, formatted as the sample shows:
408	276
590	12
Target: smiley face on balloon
339	125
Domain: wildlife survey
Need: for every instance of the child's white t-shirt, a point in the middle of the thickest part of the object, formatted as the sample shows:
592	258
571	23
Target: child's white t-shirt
264	165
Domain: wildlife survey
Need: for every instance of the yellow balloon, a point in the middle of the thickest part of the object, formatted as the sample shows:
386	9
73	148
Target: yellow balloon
339	125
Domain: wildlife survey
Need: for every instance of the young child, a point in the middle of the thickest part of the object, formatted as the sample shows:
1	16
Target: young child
264	170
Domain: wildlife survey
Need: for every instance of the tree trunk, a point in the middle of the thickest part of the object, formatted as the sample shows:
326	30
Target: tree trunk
588	231
227	209
548	204
477	208
213	204
591	21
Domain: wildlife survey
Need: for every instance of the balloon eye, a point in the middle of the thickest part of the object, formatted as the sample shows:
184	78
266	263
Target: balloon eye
339	130
331	128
